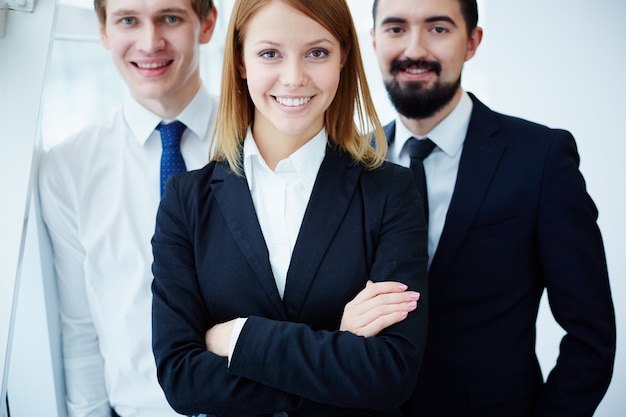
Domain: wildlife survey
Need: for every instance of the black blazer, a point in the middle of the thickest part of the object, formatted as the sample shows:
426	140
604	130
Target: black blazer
520	221
211	265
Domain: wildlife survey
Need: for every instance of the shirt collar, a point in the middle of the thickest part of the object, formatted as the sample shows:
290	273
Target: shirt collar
306	160
448	135
142	122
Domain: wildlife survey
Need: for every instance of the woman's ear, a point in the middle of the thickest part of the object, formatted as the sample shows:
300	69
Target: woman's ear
345	51
241	67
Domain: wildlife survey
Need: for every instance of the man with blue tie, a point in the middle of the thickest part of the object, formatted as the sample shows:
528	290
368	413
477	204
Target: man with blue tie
100	190
509	217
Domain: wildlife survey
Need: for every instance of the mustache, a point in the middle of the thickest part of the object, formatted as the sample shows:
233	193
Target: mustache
401	65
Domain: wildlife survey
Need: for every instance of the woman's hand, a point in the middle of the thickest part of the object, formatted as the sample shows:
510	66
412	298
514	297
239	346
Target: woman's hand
217	338
378	306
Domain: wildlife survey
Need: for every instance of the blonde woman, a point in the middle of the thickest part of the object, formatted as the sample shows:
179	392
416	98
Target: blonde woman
259	257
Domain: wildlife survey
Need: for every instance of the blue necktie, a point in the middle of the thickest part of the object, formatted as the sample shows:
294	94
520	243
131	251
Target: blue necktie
418	151
172	161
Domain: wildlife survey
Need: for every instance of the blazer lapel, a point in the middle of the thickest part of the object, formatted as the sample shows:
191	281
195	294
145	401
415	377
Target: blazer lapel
233	196
331	196
390	131
479	160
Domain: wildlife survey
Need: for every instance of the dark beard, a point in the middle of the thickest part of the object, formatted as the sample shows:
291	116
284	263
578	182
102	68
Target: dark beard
414	101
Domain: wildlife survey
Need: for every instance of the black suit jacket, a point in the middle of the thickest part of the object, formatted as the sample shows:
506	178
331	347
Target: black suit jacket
211	265
520	221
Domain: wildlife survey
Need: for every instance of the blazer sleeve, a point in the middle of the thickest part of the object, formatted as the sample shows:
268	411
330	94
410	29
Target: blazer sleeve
283	365
576	278
193	379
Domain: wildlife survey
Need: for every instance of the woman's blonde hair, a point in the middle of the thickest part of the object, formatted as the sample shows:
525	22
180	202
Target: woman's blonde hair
360	134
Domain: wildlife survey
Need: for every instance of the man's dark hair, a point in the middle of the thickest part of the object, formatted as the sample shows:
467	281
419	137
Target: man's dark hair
469	9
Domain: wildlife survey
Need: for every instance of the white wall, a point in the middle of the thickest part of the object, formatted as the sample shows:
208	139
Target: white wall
23	53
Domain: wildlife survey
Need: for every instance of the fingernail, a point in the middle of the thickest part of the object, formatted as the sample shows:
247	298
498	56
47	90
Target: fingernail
415	295
402	286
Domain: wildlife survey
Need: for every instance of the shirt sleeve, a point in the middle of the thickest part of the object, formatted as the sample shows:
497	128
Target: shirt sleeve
234	336
82	360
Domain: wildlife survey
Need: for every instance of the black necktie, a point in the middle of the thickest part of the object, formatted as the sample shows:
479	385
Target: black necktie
172	161
418	151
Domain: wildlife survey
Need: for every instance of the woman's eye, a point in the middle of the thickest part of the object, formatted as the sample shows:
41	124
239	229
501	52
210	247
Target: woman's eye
319	53
269	54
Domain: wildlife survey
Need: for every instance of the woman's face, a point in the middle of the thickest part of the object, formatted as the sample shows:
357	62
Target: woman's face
292	66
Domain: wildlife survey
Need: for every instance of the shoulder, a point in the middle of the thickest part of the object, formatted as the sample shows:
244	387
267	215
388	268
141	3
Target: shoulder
389	182
514	129
383	174
80	153
88	139
192	195
529	128
387	172
195	185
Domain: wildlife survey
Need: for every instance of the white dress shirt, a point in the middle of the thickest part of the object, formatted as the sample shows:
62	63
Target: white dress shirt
441	166
280	199
99	194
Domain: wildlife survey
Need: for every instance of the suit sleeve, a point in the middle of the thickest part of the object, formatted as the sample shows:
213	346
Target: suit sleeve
193	379
576	278
82	361
280	365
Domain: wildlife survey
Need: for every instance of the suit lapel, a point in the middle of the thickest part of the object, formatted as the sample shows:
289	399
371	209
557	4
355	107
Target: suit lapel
390	131
233	196
479	160
333	190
